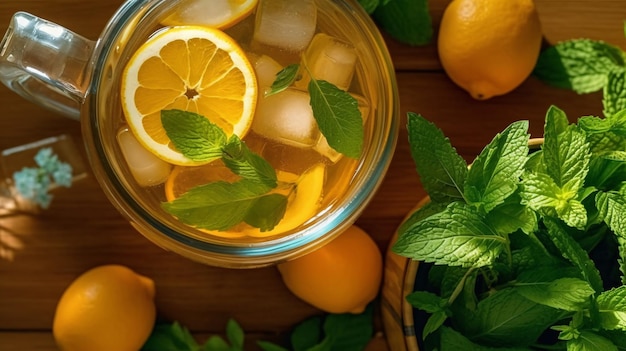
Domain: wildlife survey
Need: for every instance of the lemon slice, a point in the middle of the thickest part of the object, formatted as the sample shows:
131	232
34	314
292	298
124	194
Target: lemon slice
191	68
213	13
302	204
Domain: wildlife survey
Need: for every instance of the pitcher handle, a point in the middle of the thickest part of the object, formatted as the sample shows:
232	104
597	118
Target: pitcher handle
46	63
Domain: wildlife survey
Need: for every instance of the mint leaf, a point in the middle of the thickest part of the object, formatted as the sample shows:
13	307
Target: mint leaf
434	322
266	211
235	334
268	346
540	193
338	117
442	170
216	343
508	319
540	286
611	208
581	65
614	92
451	340
571	250
347	331
170	337
408	21
607	171
426	301
193	135
243	162
565	152
307	334
284	79
221	205
612	306
495	173
458	236
590	341
511	216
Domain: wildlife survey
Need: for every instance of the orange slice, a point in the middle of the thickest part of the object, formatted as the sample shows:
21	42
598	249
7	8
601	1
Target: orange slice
191	68
213	13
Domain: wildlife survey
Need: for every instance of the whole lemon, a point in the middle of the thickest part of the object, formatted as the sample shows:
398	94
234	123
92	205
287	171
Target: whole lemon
108	308
342	276
489	47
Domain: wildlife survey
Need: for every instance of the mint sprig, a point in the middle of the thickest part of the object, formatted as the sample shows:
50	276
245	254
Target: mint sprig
222	205
336	111
525	242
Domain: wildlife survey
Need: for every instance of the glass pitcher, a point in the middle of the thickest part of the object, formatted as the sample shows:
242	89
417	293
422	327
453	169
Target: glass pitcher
79	78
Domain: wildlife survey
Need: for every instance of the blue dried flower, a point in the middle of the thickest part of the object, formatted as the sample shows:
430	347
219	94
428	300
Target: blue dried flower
34	183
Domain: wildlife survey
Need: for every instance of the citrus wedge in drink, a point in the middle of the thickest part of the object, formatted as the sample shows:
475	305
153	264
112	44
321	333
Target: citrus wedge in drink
213	13
304	194
190	68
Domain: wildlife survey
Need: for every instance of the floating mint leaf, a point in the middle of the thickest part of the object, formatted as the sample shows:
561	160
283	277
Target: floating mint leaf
338	117
580	64
193	135
284	79
243	162
221	205
266	211
442	170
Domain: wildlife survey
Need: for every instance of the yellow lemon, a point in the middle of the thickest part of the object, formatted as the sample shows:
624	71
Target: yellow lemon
342	276
489	47
191	68
213	13
107	308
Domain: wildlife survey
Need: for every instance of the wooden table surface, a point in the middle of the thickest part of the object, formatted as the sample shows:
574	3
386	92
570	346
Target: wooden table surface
82	230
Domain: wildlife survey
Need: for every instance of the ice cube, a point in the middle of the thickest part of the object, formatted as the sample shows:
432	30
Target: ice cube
285	24
146	168
322	144
266	69
287	117
204	12
330	59
288	158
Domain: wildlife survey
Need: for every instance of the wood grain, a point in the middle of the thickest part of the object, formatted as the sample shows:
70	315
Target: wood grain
82	230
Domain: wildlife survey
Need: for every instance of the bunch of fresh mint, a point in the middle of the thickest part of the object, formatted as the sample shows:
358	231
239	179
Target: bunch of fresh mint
526	249
331	332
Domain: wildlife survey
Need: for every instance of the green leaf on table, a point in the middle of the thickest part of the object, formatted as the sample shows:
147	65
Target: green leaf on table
307	334
235	334
507	318
590	341
442	170
581	65
458	236
221	205
193	135
614	92
612	306
170	337
573	252
550	288
408	21
242	161
284	79
346	331
494	175
338	117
